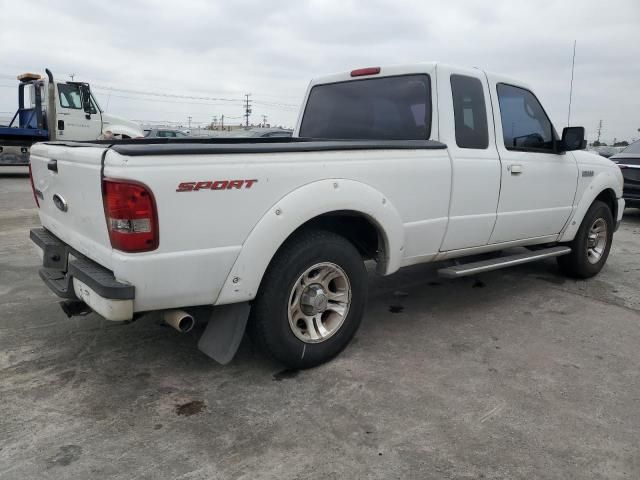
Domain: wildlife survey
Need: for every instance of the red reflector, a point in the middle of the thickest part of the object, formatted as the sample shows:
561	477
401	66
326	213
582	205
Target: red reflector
132	218
365	71
33	187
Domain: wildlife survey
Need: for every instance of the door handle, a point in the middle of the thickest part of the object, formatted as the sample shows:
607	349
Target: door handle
52	165
515	169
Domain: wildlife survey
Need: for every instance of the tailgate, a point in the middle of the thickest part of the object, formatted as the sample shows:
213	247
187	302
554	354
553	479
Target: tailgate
68	184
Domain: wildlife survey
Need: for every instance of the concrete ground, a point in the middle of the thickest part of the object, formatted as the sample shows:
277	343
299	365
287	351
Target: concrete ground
519	373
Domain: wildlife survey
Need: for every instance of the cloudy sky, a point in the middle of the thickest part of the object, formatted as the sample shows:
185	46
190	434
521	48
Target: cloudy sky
143	58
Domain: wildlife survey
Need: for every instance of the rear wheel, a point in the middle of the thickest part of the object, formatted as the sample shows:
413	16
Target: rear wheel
311	300
590	248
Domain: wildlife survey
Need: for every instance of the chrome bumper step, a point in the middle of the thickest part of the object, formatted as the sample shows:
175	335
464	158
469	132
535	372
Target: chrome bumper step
502	262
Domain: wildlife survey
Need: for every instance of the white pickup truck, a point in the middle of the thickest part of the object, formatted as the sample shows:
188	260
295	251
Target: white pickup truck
399	165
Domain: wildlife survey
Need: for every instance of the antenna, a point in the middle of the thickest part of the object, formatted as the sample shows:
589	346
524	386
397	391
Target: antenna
573	64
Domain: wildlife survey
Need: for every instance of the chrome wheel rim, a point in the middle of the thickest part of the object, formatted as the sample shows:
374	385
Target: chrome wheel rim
597	241
319	302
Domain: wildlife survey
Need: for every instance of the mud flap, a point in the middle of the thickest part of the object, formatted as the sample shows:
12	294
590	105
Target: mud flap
224	332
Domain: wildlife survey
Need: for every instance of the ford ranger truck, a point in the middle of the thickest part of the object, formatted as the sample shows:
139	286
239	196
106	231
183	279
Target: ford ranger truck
400	165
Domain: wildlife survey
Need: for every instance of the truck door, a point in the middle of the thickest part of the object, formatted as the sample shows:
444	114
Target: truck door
538	185
72	122
467	129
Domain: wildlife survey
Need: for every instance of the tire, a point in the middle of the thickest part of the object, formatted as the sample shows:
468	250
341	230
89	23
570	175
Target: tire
285	313
588	256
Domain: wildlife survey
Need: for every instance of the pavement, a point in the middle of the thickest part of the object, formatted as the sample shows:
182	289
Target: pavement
517	374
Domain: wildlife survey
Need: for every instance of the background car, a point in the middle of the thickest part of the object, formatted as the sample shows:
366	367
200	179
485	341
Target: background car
258	132
606	151
163	133
629	162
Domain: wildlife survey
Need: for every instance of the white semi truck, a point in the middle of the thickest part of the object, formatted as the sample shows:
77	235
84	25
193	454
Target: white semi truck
51	109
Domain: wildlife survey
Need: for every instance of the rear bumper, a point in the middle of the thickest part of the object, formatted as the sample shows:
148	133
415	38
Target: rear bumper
71	275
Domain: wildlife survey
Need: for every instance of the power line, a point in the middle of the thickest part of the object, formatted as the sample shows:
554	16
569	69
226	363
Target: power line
237	102
187	97
138	99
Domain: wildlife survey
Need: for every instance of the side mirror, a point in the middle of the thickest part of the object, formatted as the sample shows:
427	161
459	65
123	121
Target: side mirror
85	93
572	139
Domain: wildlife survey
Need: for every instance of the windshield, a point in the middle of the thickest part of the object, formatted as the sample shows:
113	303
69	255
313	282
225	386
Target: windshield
388	108
633	148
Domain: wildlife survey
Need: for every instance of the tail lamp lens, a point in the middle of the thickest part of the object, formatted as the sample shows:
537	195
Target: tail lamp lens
131	215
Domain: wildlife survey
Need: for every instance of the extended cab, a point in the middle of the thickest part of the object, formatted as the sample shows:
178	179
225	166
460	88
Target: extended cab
400	165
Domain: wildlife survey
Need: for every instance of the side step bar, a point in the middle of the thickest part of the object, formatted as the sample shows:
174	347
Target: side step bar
502	262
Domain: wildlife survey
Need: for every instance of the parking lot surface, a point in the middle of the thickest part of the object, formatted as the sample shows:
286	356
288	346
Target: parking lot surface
519	373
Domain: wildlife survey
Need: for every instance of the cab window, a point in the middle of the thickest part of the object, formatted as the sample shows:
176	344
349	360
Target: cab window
69	96
470	112
525	125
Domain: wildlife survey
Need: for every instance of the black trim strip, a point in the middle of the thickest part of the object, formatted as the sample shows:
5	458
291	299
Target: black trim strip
313	146
58	282
194	145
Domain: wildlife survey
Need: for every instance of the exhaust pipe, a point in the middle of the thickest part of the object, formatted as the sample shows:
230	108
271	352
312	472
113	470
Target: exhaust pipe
178	319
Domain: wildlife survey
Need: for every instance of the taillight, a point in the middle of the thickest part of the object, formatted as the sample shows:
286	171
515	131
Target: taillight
365	71
132	218
33	187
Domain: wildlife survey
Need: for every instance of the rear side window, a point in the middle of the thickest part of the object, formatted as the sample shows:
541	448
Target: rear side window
389	108
525	125
470	112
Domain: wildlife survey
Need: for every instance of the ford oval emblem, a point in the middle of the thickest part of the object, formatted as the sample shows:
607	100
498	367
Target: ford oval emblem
60	202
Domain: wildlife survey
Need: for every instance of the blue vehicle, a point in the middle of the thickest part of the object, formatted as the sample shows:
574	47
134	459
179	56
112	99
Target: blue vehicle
59	110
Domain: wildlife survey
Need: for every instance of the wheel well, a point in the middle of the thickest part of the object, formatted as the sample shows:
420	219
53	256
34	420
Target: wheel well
356	227
608	196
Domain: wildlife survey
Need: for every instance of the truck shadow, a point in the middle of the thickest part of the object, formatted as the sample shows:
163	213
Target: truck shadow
631	215
412	317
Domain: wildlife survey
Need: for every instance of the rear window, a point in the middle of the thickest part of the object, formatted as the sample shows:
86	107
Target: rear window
389	108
